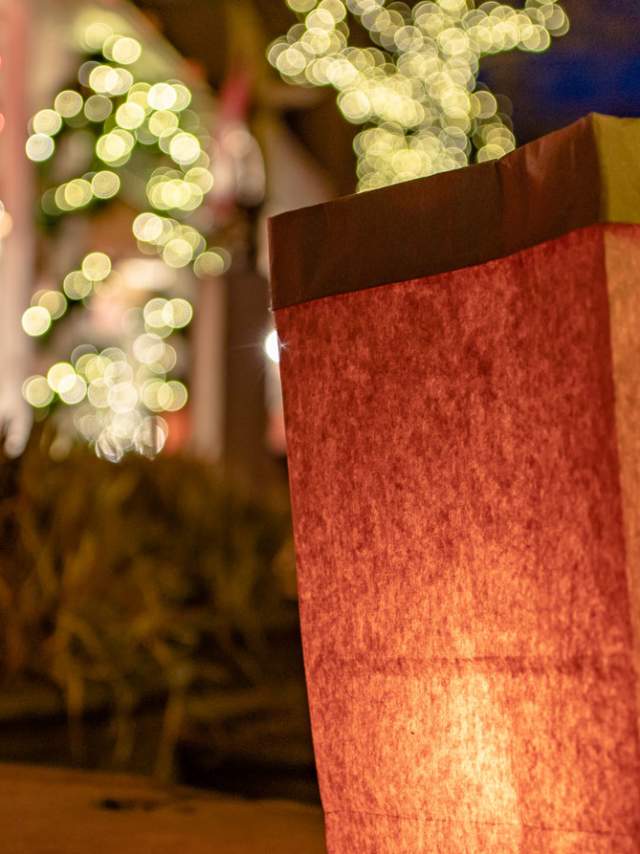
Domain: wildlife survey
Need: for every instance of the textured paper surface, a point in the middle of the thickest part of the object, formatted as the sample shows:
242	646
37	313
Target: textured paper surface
457	446
578	176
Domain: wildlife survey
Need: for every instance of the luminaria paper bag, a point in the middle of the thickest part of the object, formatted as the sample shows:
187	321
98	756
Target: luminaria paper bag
460	361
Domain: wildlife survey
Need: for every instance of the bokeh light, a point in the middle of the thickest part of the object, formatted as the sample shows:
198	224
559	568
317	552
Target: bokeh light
98	108
184	148
272	346
117	394
96	266
68	103
71	389
36	320
115	147
76	285
39	147
54	302
125	50
416	85
130	115
37	392
77	193
162	96
105	184
177	253
212	263
60	374
177	313
47	122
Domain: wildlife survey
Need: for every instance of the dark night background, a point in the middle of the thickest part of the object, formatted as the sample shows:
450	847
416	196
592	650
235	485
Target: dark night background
595	67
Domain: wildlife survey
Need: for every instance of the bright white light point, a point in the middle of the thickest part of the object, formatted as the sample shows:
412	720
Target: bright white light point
130	115
54	302
177	253
57	374
202	178
72	389
36	391
47	122
96	34
184	148
103	79
153	313
172	396
151	435
114	145
77	193
163	122
211	263
105	184
126	50
36	320
272	346
39	147
68	103
183	97
177	313
147	226
76	286
96	266
161	96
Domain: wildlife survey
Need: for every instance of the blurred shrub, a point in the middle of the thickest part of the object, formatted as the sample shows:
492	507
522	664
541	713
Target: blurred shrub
146	578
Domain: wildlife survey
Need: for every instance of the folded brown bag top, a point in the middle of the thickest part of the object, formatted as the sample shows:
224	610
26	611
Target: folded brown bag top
584	174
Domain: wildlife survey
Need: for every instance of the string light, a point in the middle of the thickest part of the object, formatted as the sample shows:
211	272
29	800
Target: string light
272	346
36	320
416	87
119	393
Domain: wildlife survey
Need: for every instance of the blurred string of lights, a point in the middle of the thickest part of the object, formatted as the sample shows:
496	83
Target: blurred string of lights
416	86
119	393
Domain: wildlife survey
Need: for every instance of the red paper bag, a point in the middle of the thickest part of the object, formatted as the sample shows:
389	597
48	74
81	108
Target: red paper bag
460	362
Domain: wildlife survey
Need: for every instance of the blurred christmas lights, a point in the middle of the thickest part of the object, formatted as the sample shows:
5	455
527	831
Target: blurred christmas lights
416	86
118	394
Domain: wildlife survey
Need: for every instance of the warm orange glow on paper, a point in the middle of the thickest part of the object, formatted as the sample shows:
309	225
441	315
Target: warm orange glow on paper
464	469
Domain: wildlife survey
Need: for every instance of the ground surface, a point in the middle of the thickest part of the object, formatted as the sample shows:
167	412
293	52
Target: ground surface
47	811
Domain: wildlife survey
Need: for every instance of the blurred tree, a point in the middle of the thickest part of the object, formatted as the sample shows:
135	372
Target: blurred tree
121	137
415	85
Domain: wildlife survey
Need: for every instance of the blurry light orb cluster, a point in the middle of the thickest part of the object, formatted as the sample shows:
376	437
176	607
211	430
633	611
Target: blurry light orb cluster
416	86
133	113
118	394
119	397
111	381
46	306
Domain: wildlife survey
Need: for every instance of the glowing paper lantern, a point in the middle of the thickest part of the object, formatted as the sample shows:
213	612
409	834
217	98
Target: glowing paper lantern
460	361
